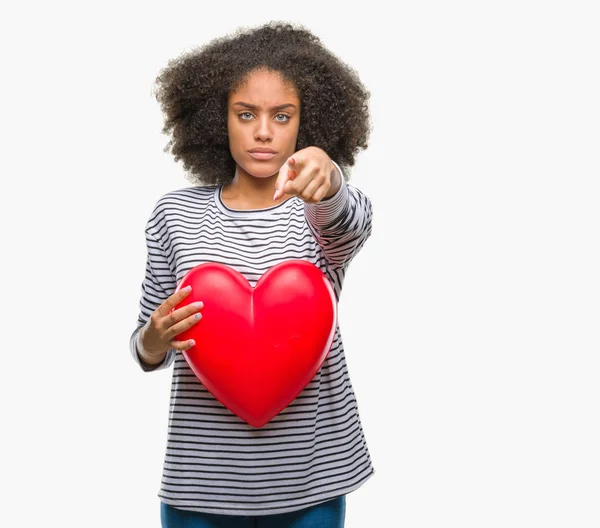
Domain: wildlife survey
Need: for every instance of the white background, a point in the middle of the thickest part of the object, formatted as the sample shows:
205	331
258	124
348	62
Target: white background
470	317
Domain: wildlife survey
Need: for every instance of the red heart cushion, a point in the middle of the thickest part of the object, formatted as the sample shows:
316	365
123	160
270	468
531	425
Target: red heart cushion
257	348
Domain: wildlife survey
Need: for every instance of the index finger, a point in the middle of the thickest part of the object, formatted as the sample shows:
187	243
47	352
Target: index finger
173	300
282	178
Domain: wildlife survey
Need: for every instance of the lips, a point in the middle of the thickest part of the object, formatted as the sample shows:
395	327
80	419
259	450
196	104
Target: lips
262	155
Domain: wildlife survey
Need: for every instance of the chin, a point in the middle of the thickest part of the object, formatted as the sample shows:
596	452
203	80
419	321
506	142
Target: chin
264	176
261	170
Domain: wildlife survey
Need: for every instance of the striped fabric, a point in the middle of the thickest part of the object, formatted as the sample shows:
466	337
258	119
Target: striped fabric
313	450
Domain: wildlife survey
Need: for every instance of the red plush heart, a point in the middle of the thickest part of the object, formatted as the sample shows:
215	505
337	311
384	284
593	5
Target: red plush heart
257	348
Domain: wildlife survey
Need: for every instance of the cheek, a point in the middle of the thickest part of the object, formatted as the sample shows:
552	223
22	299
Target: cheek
234	134
292	135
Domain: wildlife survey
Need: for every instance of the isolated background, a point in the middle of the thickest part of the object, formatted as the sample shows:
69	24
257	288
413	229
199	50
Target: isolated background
470	317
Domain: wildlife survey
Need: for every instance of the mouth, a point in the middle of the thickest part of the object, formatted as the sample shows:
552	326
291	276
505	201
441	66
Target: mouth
262	155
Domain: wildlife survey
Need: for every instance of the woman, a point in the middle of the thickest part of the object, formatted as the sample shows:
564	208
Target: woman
273	88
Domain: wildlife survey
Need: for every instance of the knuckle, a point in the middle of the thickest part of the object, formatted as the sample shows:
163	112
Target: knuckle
171	319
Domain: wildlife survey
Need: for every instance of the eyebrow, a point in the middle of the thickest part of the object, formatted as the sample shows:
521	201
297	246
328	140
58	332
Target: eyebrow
253	107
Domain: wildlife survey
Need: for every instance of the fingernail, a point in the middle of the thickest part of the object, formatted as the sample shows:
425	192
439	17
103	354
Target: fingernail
187	288
191	342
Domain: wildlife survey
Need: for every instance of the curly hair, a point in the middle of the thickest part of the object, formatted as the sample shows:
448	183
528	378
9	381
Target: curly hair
193	92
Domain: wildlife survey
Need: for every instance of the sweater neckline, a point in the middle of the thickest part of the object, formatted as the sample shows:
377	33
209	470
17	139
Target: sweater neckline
244	213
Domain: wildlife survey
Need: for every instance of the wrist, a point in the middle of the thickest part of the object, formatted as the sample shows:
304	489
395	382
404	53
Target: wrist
148	357
336	181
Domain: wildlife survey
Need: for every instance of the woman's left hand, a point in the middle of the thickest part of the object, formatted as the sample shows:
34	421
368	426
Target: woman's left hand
309	174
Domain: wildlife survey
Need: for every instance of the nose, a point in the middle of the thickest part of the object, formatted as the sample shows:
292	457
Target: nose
263	131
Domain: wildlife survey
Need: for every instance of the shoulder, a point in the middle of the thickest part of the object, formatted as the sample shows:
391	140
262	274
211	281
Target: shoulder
179	198
195	192
177	202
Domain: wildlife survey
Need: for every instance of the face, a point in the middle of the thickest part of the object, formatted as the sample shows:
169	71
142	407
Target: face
263	113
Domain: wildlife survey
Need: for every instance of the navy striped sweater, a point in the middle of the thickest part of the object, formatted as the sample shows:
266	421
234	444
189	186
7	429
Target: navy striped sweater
315	448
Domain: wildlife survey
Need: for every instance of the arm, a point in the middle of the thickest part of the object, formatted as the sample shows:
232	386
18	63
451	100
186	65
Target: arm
342	223
158	284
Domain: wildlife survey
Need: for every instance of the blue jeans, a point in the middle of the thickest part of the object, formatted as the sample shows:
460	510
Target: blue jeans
329	514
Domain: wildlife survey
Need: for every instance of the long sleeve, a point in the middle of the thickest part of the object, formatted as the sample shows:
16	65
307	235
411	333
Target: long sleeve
342	223
157	285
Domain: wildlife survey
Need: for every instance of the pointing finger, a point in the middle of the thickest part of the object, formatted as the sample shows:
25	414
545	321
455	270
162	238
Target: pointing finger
282	178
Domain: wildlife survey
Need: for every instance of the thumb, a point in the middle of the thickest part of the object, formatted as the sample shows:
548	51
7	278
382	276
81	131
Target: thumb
282	178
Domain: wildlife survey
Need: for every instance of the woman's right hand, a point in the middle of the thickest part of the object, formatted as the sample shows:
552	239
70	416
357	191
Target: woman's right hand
157	337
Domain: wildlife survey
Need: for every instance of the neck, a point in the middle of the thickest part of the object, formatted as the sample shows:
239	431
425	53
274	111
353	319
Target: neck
254	192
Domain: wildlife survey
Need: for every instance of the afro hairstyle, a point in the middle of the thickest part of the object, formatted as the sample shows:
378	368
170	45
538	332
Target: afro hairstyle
193	91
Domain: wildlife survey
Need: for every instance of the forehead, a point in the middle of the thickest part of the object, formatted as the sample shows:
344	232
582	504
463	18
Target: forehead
265	89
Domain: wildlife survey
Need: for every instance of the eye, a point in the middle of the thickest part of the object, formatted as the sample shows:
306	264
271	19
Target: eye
250	113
